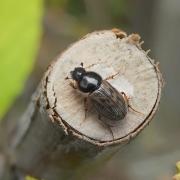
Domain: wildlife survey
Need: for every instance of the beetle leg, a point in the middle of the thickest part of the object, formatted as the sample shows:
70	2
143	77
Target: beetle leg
106	126
73	84
125	96
134	109
127	100
89	66
110	130
66	78
86	107
112	76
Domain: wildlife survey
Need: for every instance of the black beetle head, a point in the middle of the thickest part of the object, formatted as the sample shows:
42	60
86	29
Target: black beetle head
78	73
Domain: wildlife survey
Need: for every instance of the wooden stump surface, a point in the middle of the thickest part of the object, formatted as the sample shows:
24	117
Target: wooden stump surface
110	51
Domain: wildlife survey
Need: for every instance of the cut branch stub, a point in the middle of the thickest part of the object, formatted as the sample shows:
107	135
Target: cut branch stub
52	140
109	52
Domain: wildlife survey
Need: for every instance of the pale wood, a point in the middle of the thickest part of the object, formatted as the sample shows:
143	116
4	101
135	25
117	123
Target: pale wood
52	140
138	77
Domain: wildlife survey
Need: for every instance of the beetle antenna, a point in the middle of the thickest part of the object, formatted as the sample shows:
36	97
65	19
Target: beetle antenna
82	64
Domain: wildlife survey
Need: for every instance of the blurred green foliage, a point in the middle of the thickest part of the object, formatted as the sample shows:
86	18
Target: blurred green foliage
76	8
30	178
118	7
19	37
177	176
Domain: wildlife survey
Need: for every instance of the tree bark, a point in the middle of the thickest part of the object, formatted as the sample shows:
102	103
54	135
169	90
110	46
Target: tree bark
52	140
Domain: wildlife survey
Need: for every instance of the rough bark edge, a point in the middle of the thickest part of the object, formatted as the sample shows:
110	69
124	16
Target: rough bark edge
54	116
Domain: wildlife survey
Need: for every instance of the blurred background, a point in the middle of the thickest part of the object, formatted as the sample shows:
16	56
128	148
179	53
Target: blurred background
34	32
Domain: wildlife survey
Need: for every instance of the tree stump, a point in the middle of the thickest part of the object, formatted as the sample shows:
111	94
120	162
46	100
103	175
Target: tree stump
107	53
53	139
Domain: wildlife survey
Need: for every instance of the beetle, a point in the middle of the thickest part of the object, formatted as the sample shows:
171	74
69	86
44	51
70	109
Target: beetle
107	100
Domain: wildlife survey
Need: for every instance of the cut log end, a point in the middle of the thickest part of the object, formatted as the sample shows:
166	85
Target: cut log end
109	52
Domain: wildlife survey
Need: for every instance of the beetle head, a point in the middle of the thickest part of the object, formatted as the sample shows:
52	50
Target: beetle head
78	73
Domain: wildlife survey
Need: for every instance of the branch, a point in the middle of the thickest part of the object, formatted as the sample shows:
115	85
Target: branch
52	139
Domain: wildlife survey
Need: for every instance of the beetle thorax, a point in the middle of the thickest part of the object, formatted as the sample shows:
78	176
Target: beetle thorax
90	82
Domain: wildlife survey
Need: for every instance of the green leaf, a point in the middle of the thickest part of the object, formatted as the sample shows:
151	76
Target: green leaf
20	27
